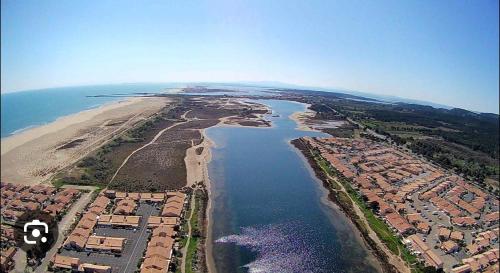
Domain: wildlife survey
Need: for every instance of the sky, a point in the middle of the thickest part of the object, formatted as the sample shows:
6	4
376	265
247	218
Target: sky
440	51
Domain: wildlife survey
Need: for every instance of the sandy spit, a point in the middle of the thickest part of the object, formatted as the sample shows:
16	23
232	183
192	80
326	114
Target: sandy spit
301	119
208	144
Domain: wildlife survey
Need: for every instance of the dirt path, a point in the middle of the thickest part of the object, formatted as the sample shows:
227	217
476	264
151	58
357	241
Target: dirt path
184	250
146	145
35	155
64	226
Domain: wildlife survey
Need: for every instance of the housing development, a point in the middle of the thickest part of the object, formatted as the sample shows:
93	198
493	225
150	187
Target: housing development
445	221
116	232
17	199
124	232
208	182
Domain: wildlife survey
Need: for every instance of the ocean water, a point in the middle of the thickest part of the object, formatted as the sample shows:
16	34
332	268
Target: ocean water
269	212
23	110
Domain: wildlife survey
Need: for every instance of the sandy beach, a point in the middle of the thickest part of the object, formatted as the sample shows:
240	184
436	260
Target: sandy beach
197	164
302	118
35	155
208	144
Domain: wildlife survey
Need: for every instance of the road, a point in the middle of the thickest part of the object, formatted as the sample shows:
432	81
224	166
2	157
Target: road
64	226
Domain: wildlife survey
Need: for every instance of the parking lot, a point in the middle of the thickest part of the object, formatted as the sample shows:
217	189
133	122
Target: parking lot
437	219
134	247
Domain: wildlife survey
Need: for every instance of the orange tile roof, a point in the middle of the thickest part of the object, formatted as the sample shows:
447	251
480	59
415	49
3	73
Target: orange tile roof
161	241
152	270
160	251
61	261
156	263
164	231
398	222
457	235
119	220
125	206
432	259
462	269
120	195
105	243
449	246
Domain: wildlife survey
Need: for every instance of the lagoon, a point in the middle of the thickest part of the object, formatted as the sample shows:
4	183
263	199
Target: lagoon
268	211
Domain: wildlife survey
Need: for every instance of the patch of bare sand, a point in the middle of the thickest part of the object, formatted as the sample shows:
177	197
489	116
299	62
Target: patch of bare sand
35	155
197	170
196	163
256	120
302	118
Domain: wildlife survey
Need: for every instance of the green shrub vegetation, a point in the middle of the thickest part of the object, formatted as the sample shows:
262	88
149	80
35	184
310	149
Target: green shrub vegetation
196	236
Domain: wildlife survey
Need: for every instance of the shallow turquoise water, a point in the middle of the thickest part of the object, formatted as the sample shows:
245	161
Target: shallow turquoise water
268	214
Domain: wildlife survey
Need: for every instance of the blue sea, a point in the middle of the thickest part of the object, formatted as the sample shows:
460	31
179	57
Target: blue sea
26	109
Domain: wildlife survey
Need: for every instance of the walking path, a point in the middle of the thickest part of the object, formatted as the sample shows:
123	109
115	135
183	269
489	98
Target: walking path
146	145
184	250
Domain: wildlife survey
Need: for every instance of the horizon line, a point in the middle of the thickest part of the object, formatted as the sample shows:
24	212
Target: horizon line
273	84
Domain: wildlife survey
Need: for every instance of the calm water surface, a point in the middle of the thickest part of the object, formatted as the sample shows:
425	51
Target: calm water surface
269	212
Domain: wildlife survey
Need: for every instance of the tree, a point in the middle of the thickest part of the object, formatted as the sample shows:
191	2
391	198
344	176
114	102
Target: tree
375	206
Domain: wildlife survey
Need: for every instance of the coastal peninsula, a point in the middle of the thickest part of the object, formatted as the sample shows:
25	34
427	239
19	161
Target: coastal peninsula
220	172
